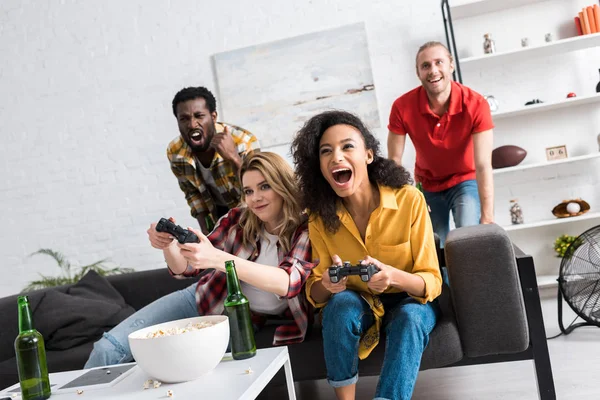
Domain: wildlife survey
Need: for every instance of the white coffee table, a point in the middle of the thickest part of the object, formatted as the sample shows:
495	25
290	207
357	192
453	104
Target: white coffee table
229	380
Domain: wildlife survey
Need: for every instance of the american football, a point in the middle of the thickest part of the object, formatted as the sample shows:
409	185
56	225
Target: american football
507	156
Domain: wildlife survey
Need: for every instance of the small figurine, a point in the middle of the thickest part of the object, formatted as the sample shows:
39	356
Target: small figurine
548	37
524	42
571	95
489	46
516	214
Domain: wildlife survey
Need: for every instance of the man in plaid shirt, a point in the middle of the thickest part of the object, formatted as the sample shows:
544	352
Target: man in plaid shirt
207	155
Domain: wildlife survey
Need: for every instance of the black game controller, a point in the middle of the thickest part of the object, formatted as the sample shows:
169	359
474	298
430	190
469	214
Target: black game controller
182	235
364	271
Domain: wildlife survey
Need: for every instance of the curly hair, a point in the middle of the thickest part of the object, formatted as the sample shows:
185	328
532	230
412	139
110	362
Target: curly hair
317	194
191	93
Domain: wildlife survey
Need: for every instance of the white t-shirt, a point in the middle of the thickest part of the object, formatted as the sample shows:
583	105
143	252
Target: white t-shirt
261	301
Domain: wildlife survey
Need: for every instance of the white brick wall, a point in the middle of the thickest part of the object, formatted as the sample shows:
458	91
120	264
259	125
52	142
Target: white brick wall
85	108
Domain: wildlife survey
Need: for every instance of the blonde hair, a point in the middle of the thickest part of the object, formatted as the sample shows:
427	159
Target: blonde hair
280	176
430	44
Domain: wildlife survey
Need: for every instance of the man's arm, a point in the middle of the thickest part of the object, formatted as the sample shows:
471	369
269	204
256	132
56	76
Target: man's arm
482	148
395	144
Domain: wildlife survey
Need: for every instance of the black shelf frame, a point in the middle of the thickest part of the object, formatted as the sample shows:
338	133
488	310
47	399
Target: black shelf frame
451	39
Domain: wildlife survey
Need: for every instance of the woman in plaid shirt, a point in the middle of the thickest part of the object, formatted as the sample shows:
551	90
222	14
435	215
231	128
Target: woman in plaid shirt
267	239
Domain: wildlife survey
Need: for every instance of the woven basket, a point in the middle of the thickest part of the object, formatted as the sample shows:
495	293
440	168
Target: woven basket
560	210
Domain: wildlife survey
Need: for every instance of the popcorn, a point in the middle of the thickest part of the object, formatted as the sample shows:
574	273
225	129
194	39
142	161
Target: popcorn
79	391
157	384
170	394
176	330
147	384
249	371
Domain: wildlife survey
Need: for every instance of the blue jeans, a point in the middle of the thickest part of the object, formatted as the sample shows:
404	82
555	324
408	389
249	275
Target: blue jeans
113	347
462	200
407	324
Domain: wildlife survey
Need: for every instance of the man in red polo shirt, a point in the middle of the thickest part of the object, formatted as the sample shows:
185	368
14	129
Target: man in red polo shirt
450	126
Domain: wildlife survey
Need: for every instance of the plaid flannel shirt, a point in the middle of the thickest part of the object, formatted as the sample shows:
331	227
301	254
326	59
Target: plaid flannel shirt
212	287
190	180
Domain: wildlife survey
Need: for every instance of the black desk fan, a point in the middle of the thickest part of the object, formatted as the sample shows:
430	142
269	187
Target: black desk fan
579	280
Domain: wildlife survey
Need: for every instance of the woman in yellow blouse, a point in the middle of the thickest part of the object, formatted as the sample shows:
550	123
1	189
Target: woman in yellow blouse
363	209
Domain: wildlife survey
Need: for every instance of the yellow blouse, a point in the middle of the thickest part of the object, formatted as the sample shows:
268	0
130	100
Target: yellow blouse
398	234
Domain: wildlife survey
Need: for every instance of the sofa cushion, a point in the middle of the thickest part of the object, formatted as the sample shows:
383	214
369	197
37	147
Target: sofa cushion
82	313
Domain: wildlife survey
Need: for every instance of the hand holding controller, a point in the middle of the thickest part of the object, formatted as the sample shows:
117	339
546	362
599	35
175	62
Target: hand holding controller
182	235
364	271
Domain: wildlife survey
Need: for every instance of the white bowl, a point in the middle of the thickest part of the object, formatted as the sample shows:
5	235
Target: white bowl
181	357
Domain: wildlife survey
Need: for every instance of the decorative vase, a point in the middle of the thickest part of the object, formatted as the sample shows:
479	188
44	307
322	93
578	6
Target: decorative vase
516	214
598	85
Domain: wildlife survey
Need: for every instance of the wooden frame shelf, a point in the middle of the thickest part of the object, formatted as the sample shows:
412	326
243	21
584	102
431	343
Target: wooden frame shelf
547	49
546	163
543	107
555	221
481	7
547	281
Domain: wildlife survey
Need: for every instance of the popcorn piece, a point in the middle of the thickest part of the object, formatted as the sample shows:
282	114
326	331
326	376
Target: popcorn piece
170	394
147	384
79	391
157	384
249	371
176	330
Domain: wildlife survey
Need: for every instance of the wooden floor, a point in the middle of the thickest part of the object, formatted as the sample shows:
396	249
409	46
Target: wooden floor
575	363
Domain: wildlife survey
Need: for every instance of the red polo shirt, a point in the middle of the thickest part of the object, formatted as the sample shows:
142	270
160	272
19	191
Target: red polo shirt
444	145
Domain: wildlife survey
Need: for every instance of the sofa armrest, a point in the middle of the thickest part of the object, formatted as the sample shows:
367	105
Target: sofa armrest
143	287
486	291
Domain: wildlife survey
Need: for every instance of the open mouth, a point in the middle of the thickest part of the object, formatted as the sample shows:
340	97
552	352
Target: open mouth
341	175
196	137
435	80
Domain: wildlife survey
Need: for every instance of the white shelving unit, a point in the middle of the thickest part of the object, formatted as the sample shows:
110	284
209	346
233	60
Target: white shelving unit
544	107
547	281
547	278
480	7
546	163
555	221
547	49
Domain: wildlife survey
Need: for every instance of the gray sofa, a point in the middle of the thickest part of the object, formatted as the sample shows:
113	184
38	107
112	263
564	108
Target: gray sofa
491	313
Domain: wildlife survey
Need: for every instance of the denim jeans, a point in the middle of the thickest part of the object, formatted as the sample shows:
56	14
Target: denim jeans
113	347
407	325
461	199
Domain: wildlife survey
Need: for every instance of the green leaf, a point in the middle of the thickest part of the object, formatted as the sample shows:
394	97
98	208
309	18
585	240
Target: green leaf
100	267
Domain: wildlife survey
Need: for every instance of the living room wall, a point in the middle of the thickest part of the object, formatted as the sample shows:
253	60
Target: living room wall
85	114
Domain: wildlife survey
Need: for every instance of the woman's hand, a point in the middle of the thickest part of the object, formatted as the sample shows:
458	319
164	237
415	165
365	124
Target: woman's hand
159	240
326	282
201	255
381	280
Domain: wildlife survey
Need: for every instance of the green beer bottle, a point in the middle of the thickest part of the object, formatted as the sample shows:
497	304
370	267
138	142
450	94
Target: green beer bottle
210	224
31	356
237	309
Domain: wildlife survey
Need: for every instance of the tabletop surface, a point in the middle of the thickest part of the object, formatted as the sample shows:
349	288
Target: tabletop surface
231	379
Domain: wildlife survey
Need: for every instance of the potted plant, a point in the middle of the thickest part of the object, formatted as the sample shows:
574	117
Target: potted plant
68	275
